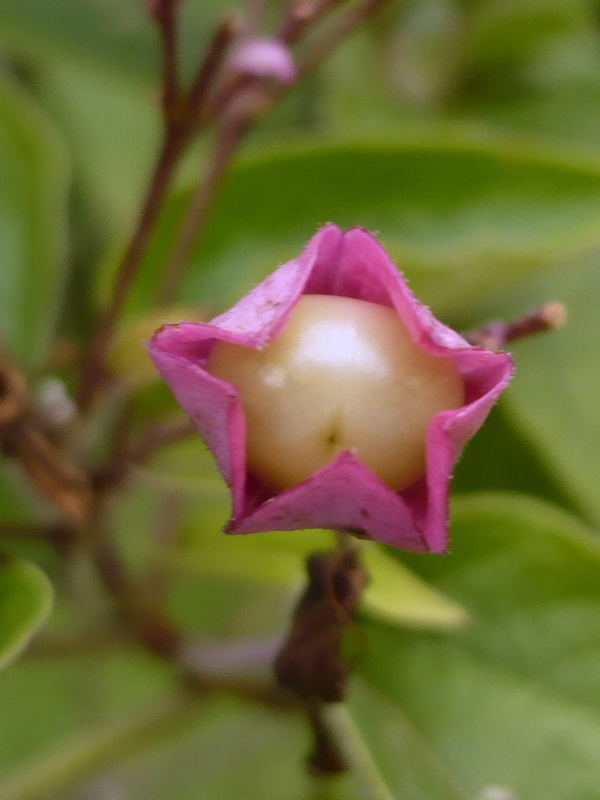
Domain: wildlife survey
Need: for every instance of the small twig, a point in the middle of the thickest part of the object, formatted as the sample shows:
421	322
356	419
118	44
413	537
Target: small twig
254	15
180	123
125	456
195	220
170	515
165	14
240	102
168	432
23	436
326	757
226	32
302	14
495	335
338	32
58	535
93	369
16	530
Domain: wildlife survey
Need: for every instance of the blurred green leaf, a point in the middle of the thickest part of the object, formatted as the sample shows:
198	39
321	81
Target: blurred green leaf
394	594
233	751
91	750
553	401
25	602
181	751
568	114
502	457
118	36
425	50
111	127
463	216
527	671
18	499
54	698
502	32
33	183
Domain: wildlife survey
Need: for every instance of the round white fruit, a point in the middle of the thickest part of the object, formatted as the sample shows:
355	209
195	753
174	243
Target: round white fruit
344	374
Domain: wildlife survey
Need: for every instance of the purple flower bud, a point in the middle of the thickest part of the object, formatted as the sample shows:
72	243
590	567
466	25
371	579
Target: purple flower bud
265	58
404	508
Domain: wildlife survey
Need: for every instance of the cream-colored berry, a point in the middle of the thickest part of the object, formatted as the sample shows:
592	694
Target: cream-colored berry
344	374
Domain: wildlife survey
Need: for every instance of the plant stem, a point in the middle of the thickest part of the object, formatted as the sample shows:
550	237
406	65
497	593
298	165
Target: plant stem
302	14
181	120
344	26
254	15
548	317
352	746
326	757
223	37
93	371
165	13
194	222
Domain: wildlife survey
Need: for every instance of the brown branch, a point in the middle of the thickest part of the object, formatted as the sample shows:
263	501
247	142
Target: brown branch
254	16
138	611
93	373
77	642
338	32
326	757
180	122
125	455
195	220
159	436
310	662
23	436
304	13
165	12
239	104
226	32
58	535
495	335
242	100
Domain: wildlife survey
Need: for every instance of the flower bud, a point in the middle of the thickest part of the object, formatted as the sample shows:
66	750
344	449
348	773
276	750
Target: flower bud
265	58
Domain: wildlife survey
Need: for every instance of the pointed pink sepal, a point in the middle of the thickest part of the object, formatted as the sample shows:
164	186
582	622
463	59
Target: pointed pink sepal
344	494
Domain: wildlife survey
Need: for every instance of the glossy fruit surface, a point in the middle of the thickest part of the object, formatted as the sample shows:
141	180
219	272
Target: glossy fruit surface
344	374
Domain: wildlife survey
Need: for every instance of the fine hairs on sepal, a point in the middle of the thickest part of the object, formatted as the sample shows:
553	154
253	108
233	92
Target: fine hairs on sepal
344	493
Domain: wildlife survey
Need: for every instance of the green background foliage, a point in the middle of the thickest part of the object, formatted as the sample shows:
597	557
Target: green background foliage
467	135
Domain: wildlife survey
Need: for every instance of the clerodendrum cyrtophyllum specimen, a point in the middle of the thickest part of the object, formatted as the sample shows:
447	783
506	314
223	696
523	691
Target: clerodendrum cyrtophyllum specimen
331	398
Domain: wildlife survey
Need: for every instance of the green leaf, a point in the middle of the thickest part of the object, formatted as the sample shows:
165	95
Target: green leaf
570	114
49	700
394	594
501	457
33	182
554	398
463	216
25	602
118	36
180	750
112	161
513	699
